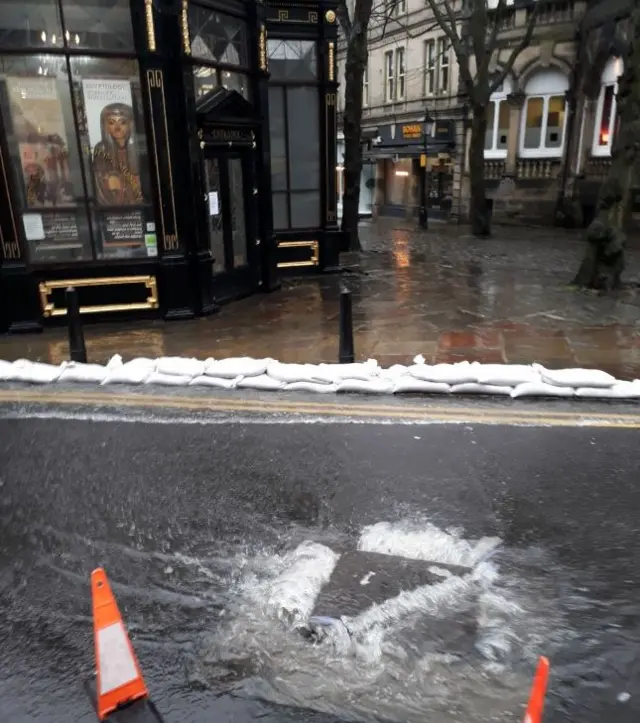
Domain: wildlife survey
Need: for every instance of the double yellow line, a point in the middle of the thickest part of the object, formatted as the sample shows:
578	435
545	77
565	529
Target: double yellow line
420	411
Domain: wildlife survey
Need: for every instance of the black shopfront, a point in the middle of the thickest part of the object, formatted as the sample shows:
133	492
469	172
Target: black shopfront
162	156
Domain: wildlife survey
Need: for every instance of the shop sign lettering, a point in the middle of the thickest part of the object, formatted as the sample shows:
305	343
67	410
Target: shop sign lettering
412	131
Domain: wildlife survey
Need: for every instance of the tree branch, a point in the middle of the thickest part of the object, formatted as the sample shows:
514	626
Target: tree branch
525	41
449	25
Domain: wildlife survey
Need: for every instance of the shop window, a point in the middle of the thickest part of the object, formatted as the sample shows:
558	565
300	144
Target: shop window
429	67
498	118
34	24
389	77
207	79
292	59
217	38
295	156
99	25
400	74
606	109
78	205
544	116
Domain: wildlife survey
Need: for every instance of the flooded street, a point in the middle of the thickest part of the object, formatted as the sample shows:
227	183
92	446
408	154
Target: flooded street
218	538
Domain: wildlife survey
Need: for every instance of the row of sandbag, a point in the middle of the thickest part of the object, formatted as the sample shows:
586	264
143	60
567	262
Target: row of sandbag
515	380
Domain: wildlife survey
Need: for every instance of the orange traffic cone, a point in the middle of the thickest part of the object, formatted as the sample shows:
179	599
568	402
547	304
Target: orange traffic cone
119	680
538	692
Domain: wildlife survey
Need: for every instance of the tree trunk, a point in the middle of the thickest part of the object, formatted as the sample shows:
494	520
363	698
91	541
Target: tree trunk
356	63
479	214
603	262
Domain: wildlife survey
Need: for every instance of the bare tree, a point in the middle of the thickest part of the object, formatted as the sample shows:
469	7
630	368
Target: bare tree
603	262
474	33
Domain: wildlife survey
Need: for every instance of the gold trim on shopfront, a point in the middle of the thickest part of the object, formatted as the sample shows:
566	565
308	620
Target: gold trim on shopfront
184	20
151	28
155	80
314	260
10	249
262	46
332	73
49	309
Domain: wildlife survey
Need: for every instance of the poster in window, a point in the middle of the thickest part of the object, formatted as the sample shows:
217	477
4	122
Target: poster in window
115	160
38	124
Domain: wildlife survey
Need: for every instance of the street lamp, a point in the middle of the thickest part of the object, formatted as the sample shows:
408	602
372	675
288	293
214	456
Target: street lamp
427	131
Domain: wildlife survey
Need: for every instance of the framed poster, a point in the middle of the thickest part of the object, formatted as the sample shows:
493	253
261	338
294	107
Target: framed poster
108	106
38	124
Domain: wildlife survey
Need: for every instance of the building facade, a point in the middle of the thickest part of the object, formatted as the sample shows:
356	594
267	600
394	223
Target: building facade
551	124
162	156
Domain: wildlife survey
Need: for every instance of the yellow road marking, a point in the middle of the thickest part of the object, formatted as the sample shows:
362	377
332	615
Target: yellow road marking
453	414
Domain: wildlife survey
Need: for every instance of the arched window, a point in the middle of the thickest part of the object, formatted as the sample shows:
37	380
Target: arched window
606	110
495	141
544	117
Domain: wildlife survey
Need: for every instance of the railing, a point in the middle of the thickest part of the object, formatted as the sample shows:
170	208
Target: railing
597	167
561	11
494	170
537	169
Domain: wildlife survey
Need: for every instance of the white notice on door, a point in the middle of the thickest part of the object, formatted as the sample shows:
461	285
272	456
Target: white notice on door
214	206
33	228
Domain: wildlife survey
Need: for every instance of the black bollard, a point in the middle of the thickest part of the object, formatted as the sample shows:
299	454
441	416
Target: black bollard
346	353
77	348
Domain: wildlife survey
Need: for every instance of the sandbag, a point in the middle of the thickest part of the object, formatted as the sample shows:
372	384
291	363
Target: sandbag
460	373
181	367
34	372
132	372
540	389
357	370
168	380
233	367
6	370
373	386
575	377
217	382
396	372
409	385
474	388
620	390
263	382
505	375
83	373
310	387
290	373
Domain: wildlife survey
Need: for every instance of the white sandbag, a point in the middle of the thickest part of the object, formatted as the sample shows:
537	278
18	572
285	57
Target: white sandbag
408	385
621	390
168	380
460	373
263	383
233	367
372	386
180	366
310	387
474	388
290	373
83	373
540	389
505	375
217	382
357	370
133	372
34	372
575	377
397	371
115	361
6	369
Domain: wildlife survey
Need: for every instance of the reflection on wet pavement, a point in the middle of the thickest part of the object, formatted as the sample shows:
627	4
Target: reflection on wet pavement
443	294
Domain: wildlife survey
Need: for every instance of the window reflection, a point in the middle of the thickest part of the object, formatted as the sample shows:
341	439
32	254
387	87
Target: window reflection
292	59
217	38
33	24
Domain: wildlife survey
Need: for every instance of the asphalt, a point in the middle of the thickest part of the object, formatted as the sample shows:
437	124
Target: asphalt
177	510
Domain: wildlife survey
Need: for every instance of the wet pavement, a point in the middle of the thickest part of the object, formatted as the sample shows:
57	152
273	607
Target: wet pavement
443	294
208	531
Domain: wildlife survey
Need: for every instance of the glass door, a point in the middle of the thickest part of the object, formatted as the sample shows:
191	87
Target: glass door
226	198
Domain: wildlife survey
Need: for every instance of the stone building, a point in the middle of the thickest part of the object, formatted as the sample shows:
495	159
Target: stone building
551	124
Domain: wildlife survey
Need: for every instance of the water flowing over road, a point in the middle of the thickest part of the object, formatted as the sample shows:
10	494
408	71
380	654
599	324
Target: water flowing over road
218	539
